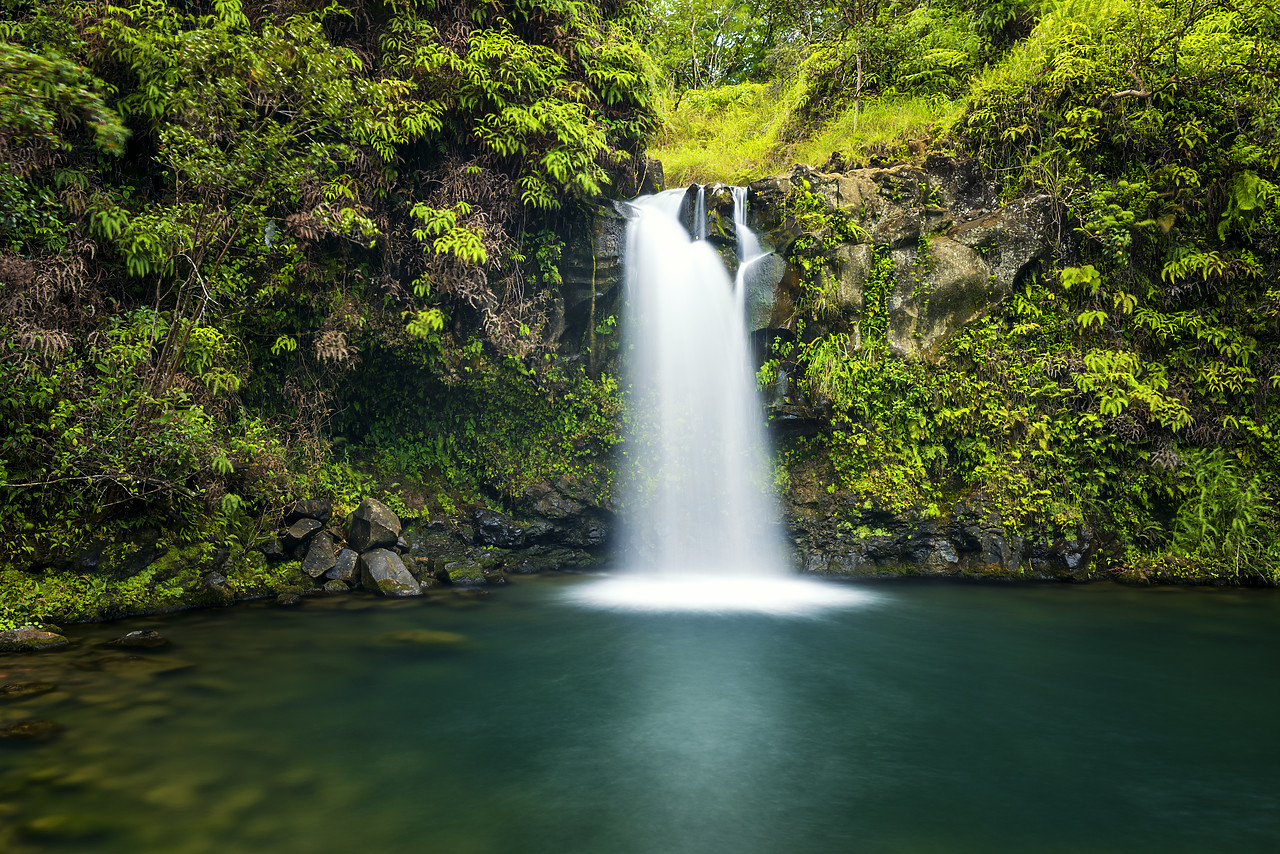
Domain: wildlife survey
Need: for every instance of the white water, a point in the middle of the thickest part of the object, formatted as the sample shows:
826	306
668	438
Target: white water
703	530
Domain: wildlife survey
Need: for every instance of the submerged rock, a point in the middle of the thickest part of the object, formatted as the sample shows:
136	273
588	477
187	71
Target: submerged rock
143	639
420	637
32	730
382	571
63	828
288	600
372	526
23	690
30	639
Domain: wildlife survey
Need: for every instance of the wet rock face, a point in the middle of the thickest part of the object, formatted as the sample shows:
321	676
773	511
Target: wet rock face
955	254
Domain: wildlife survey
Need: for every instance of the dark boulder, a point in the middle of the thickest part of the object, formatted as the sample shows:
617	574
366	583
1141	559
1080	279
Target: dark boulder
311	508
219	587
297	534
372	526
346	567
320	557
382	571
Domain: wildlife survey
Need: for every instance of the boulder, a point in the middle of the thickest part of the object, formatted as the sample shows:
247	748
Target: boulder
372	526
30	639
311	508
297	534
382	571
766	305
346	567
288	600
320	557
420	638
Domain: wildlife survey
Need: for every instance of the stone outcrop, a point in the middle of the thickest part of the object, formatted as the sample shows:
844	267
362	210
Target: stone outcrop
842	534
954	252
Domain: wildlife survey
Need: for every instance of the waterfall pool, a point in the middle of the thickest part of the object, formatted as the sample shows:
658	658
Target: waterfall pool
925	717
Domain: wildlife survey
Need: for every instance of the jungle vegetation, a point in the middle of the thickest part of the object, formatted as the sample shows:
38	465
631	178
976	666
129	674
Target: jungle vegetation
257	251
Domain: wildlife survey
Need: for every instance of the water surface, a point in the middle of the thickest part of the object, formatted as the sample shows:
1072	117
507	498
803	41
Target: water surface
932	717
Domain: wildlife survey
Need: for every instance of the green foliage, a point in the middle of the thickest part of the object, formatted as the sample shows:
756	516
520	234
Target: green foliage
496	428
1229	516
39	93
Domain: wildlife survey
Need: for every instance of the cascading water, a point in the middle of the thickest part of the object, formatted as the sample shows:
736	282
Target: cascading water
701	525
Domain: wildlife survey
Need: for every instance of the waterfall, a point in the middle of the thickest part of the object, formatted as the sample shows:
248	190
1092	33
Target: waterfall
699	503
699	214
701	527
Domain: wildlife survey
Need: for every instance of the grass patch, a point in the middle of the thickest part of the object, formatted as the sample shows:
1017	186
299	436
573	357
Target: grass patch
737	134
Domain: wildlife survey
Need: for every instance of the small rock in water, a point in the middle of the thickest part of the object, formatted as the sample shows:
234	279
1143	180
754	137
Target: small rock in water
288	600
143	639
62	827
30	639
23	690
32	730
336	587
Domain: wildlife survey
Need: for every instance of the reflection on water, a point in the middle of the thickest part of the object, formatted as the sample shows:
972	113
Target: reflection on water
943	718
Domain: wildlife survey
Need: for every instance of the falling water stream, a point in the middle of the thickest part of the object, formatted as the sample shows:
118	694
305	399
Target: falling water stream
702	530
